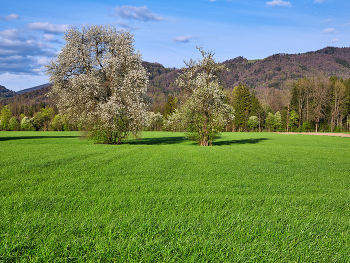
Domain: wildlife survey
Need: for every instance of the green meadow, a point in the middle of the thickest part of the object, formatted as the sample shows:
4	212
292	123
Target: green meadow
252	197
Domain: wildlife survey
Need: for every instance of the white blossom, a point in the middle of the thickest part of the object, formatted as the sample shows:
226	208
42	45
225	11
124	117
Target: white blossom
205	113
99	82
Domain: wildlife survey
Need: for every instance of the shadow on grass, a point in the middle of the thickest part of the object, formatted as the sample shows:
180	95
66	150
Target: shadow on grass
177	140
35	137
243	141
157	141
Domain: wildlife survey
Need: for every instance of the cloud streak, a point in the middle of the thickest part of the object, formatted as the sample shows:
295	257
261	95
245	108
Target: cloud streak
279	3
9	17
184	39
123	24
48	28
327	20
328	31
141	13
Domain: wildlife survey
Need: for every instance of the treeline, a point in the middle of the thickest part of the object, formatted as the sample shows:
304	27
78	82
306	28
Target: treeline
46	119
310	104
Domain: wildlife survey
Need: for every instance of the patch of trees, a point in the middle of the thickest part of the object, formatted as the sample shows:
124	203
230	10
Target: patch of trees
320	103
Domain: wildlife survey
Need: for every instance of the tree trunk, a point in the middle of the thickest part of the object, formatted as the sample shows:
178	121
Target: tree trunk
288	119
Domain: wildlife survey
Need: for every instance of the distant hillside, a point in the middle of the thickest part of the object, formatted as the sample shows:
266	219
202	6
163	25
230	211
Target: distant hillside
278	69
34	88
6	93
271	72
29	102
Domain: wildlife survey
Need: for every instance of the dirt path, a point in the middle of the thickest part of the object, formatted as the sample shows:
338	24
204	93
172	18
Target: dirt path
318	133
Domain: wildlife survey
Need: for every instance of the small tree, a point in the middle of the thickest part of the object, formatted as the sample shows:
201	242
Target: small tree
26	124
273	122
242	105
57	123
170	106
155	121
253	122
99	81
5	118
204	114
293	120
278	121
270	121
14	124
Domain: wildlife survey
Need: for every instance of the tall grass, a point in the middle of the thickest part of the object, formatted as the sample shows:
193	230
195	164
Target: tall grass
252	197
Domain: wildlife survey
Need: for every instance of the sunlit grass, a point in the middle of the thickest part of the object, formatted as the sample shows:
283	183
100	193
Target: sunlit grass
252	197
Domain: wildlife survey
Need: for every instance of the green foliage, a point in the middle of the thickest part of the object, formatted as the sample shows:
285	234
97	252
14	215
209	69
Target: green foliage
14	124
41	119
5	118
256	108
278	121
26	124
293	120
253	122
342	62
57	123
306	127
273	121
270	121
170	106
242	106
253	197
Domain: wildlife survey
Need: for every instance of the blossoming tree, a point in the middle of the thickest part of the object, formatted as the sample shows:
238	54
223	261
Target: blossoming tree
205	112
99	82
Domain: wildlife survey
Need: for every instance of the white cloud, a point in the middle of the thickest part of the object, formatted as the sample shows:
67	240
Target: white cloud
279	3
13	33
46	27
50	38
327	20
328	31
20	53
141	13
320	1
9	47
183	39
126	25
335	40
9	17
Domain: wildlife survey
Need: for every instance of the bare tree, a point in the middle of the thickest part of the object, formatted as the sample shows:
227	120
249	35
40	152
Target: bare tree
337	104
320	97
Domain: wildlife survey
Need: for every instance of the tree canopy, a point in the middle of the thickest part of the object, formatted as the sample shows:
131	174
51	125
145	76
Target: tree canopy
204	114
100	83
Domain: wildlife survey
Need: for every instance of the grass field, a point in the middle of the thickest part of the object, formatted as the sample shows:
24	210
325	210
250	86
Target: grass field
252	197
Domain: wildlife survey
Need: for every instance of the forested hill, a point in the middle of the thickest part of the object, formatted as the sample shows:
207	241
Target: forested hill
278	69
273	71
6	93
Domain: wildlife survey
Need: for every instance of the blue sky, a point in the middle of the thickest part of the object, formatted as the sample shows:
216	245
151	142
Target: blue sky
168	32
